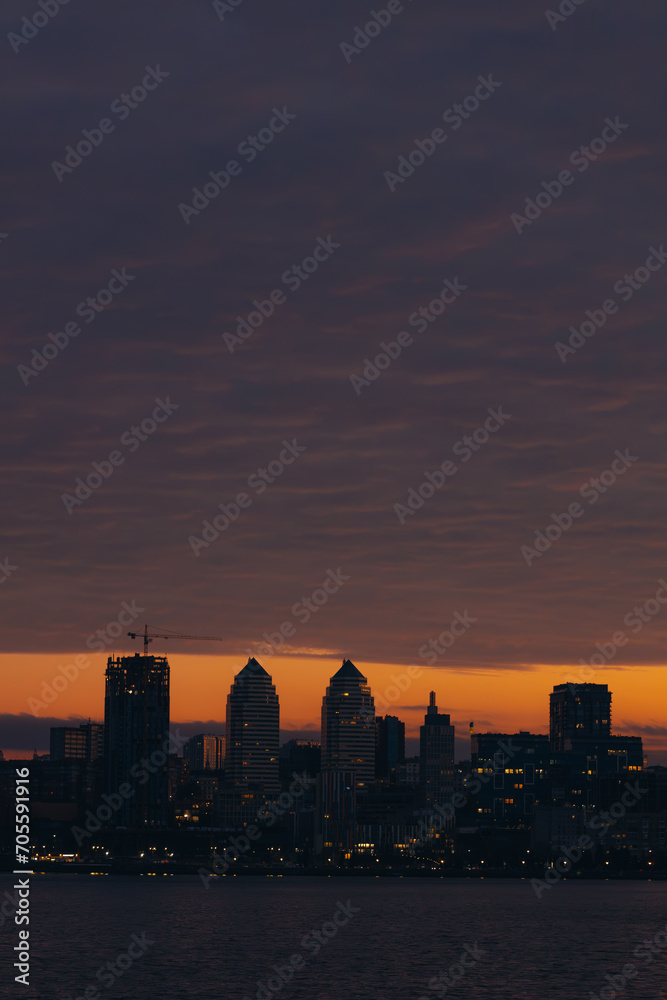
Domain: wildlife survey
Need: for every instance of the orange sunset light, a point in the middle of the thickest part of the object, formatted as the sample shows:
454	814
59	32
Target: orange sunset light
503	700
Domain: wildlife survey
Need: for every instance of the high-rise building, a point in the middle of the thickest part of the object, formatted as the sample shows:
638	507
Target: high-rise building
136	737
578	710
436	754
336	814
252	732
85	742
389	745
204	753
348	725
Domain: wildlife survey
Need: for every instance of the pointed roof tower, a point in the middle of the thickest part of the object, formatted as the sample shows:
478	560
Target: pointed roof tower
348	671
253	668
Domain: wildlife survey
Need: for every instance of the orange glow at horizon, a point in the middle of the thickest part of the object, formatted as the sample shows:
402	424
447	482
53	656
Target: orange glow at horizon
497	700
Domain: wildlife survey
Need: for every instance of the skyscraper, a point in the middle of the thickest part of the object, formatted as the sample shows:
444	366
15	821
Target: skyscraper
253	729
348	725
436	754
389	745
578	710
136	737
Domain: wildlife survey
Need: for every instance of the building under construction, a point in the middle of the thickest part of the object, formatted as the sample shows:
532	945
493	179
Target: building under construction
136	739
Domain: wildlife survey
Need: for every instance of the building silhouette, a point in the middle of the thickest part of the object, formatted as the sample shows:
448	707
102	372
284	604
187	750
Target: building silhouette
252	731
84	742
436	754
576	711
136	738
389	746
514	769
204	752
408	771
336	814
302	756
348	726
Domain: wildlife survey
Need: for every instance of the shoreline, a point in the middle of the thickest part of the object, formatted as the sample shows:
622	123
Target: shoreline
157	870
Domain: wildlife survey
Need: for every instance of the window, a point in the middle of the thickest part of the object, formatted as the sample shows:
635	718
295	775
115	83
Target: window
529	774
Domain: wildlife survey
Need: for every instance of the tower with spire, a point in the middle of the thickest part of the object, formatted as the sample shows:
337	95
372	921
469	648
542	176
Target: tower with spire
436	754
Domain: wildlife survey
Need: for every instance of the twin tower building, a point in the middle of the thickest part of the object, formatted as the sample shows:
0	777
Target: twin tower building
350	737
253	727
137	737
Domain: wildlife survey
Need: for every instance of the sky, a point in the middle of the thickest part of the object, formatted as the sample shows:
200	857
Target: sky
238	332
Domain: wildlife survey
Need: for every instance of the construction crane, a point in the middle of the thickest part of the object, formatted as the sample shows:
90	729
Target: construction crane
149	636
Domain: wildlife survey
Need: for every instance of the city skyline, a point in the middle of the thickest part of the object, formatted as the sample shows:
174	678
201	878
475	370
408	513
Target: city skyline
334	349
366	794
410	709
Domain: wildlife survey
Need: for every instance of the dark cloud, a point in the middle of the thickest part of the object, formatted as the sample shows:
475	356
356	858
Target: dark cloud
321	176
24	732
649	731
27	732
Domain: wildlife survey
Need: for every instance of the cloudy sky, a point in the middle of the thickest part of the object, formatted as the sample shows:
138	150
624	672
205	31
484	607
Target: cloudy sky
339	115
